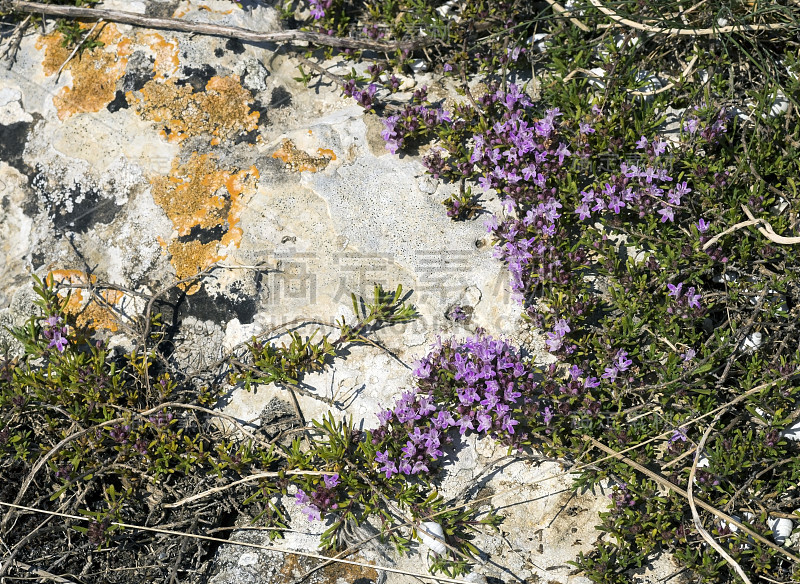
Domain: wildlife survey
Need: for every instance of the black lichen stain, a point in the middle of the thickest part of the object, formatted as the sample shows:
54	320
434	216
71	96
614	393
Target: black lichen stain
87	205
218	52
250	137
138	72
161	9
119	102
197	77
13	138
258	106
204	235
235	45
280	98
219	309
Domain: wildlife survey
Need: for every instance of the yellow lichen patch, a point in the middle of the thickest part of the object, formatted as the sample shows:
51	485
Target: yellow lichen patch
298	161
192	257
94	313
54	53
221	111
94	81
94	73
200	194
165	53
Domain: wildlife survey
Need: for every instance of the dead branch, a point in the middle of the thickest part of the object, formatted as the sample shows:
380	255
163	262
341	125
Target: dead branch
244	34
685	31
14	42
696	516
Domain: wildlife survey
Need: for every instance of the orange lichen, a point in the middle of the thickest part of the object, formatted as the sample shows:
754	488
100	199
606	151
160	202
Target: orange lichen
94	313
298	161
200	194
221	111
94	73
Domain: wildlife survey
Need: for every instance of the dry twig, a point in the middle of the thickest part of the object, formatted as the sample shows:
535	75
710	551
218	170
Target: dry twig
685	31
14	41
76	49
696	516
239	543
178	25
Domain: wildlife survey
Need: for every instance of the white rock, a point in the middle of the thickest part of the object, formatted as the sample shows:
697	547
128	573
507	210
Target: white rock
651	83
781	528
599	73
752	342
537	41
418	65
432	535
248	559
792	432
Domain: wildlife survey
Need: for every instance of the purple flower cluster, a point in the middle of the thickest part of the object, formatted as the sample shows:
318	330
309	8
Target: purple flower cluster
641	190
321	500
318	8
412	433
55	333
365	97
622	498
481	381
684	304
413	119
620	364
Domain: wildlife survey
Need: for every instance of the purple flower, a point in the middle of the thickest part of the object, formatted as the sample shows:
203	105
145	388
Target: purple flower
58	342
689	355
382	457
591	382
611	374
597	110
312	513
692	299
585	128
679	434
316	10
548	415
508	424
691	125
641	143
622	360
384	417
409	450
484	422
675	291
465	424
562	152
615	204
702	225
418	467
561	327
389	468
667	214
553	342
301	498
443	420
583	211
682	189
331	480
659	147
447	67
